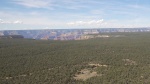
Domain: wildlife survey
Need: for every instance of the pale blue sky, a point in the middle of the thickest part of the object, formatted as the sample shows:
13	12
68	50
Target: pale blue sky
58	14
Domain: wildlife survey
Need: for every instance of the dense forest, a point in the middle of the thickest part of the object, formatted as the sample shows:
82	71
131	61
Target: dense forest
113	60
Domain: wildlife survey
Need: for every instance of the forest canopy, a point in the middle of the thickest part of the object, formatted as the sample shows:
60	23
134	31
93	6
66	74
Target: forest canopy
114	60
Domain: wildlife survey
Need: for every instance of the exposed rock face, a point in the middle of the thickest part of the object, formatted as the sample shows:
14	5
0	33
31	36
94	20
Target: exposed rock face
70	34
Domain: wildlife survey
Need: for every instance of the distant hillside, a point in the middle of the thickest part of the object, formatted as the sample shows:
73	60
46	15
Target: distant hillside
11	36
67	34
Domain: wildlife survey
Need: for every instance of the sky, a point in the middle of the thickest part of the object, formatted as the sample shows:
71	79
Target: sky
73	14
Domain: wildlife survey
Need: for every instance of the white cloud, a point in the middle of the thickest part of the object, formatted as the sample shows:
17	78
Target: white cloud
17	22
105	24
33	3
10	22
91	22
4	22
1	21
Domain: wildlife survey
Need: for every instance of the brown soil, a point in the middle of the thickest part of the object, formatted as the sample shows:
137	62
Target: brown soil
8	78
97	65
85	74
129	62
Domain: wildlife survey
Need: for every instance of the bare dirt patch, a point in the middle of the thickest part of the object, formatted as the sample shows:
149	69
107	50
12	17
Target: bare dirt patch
8	78
129	62
85	74
97	65
23	75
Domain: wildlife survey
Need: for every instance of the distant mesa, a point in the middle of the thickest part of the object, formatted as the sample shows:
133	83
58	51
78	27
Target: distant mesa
68	34
11	37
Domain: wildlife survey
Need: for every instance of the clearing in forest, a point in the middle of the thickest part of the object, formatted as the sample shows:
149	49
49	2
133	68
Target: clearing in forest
85	74
129	62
